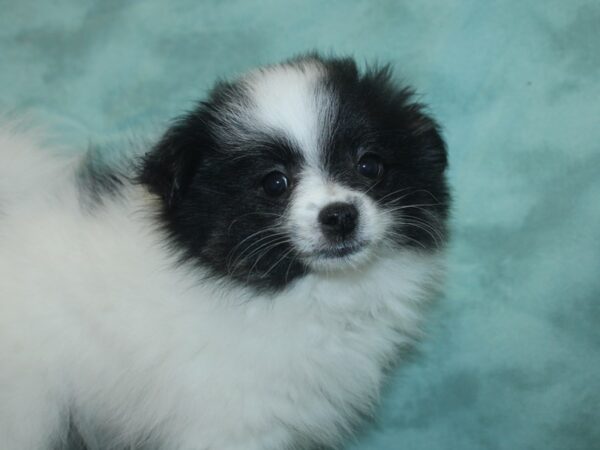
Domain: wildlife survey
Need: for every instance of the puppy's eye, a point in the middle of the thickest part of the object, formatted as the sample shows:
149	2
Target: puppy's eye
370	166
275	184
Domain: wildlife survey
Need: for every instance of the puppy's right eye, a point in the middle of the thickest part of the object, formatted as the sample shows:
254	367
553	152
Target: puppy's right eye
370	166
275	184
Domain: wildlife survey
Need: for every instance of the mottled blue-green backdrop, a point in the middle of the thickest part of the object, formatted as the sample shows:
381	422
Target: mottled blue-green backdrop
512	358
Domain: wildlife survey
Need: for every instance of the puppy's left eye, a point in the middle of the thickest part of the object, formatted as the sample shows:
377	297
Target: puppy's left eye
370	166
275	184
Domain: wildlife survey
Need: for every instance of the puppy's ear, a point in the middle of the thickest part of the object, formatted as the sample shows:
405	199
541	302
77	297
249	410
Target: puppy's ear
431	144
420	132
423	136
169	168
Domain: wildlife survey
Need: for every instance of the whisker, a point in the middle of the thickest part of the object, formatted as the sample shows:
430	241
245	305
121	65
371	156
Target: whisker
432	232
267	244
233	251
419	206
237	219
252	249
403	237
373	186
287	272
262	255
414	192
394	193
431	226
264	230
277	262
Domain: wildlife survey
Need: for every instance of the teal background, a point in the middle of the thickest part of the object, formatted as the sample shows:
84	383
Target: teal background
512	358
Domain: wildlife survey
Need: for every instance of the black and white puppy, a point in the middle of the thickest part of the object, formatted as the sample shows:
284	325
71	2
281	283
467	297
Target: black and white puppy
242	286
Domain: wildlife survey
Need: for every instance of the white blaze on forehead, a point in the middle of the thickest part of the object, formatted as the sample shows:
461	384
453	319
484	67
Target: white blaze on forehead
287	99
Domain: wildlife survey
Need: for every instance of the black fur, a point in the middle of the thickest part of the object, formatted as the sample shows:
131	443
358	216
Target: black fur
375	116
212	197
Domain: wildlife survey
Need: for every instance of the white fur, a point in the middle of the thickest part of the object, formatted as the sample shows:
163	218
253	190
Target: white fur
289	99
98	323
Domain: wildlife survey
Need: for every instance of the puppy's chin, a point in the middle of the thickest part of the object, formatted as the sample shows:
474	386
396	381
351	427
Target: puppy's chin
341	258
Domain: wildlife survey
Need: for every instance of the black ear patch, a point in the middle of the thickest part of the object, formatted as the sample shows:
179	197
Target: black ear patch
429	144
168	169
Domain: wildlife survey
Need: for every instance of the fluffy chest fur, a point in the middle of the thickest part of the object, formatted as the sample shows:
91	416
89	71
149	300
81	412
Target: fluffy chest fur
135	350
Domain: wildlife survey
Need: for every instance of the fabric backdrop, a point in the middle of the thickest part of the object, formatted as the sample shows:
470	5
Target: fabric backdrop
511	360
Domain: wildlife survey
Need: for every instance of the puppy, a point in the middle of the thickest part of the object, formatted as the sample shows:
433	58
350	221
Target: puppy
243	285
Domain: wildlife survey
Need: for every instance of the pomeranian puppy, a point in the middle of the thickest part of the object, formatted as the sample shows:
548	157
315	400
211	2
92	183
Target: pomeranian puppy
243	285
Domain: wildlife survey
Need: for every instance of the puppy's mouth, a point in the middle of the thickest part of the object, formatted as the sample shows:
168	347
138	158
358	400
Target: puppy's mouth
341	250
340	256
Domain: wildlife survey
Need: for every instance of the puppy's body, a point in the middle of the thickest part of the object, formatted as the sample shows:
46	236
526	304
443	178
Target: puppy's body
119	322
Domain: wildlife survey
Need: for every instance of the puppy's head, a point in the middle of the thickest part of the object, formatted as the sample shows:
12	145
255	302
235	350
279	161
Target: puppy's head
305	166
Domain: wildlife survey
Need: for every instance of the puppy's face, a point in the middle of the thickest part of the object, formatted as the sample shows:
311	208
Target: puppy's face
304	166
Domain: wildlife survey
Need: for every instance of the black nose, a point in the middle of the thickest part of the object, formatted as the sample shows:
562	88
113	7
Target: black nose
338	219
